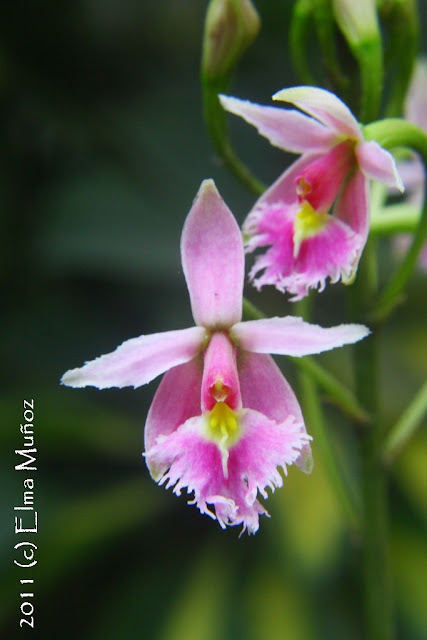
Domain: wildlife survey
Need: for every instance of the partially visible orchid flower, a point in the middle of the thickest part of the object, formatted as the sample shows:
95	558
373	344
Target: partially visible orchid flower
223	419
412	170
306	244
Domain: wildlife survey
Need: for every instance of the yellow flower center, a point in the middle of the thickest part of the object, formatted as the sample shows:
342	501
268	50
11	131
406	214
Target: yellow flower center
308	222
223	428
223	424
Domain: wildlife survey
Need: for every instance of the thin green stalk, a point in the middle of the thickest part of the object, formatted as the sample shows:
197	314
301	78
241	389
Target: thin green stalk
299	34
376	560
322	441
395	218
393	133
217	126
326	35
338	478
335	390
371	79
406	426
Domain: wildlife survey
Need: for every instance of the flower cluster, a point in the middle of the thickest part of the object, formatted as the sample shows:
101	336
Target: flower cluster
224	419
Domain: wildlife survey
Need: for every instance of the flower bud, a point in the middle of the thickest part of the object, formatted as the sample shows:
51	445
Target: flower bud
230	27
357	20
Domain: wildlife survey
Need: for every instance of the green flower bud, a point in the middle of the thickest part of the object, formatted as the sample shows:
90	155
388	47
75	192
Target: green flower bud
230	27
357	20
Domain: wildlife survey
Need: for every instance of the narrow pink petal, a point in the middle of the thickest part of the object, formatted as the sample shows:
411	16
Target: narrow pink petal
320	181
194	463
213	260
284	128
325	106
291	336
176	400
332	253
220	378
378	164
139	360
352	207
265	389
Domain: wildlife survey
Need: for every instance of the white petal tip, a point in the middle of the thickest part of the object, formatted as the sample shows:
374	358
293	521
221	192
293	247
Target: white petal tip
71	379
356	332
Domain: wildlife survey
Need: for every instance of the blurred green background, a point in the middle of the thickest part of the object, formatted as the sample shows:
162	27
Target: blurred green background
102	151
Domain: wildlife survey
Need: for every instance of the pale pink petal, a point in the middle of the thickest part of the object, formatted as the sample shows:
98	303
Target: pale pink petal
194	463
284	128
332	252
325	106
213	260
292	336
139	360
220	378
352	207
265	389
176	400
378	164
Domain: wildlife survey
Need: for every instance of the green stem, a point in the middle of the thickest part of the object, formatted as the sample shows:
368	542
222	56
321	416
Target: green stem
402	23
376	560
299	34
326	35
215	119
393	133
395	218
314	419
371	79
406	426
335	390
337	393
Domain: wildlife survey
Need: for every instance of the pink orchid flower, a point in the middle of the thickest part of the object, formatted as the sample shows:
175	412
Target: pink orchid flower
306	243
223	418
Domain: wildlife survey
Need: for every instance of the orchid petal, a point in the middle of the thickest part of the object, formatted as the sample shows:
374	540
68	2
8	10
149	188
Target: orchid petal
194	463
332	252
264	447
284	128
265	389
325	106
176	400
283	189
352	208
292	336
139	360
213	260
378	164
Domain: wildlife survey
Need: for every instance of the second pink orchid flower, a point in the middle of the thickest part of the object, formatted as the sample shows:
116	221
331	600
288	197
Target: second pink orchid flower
304	243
